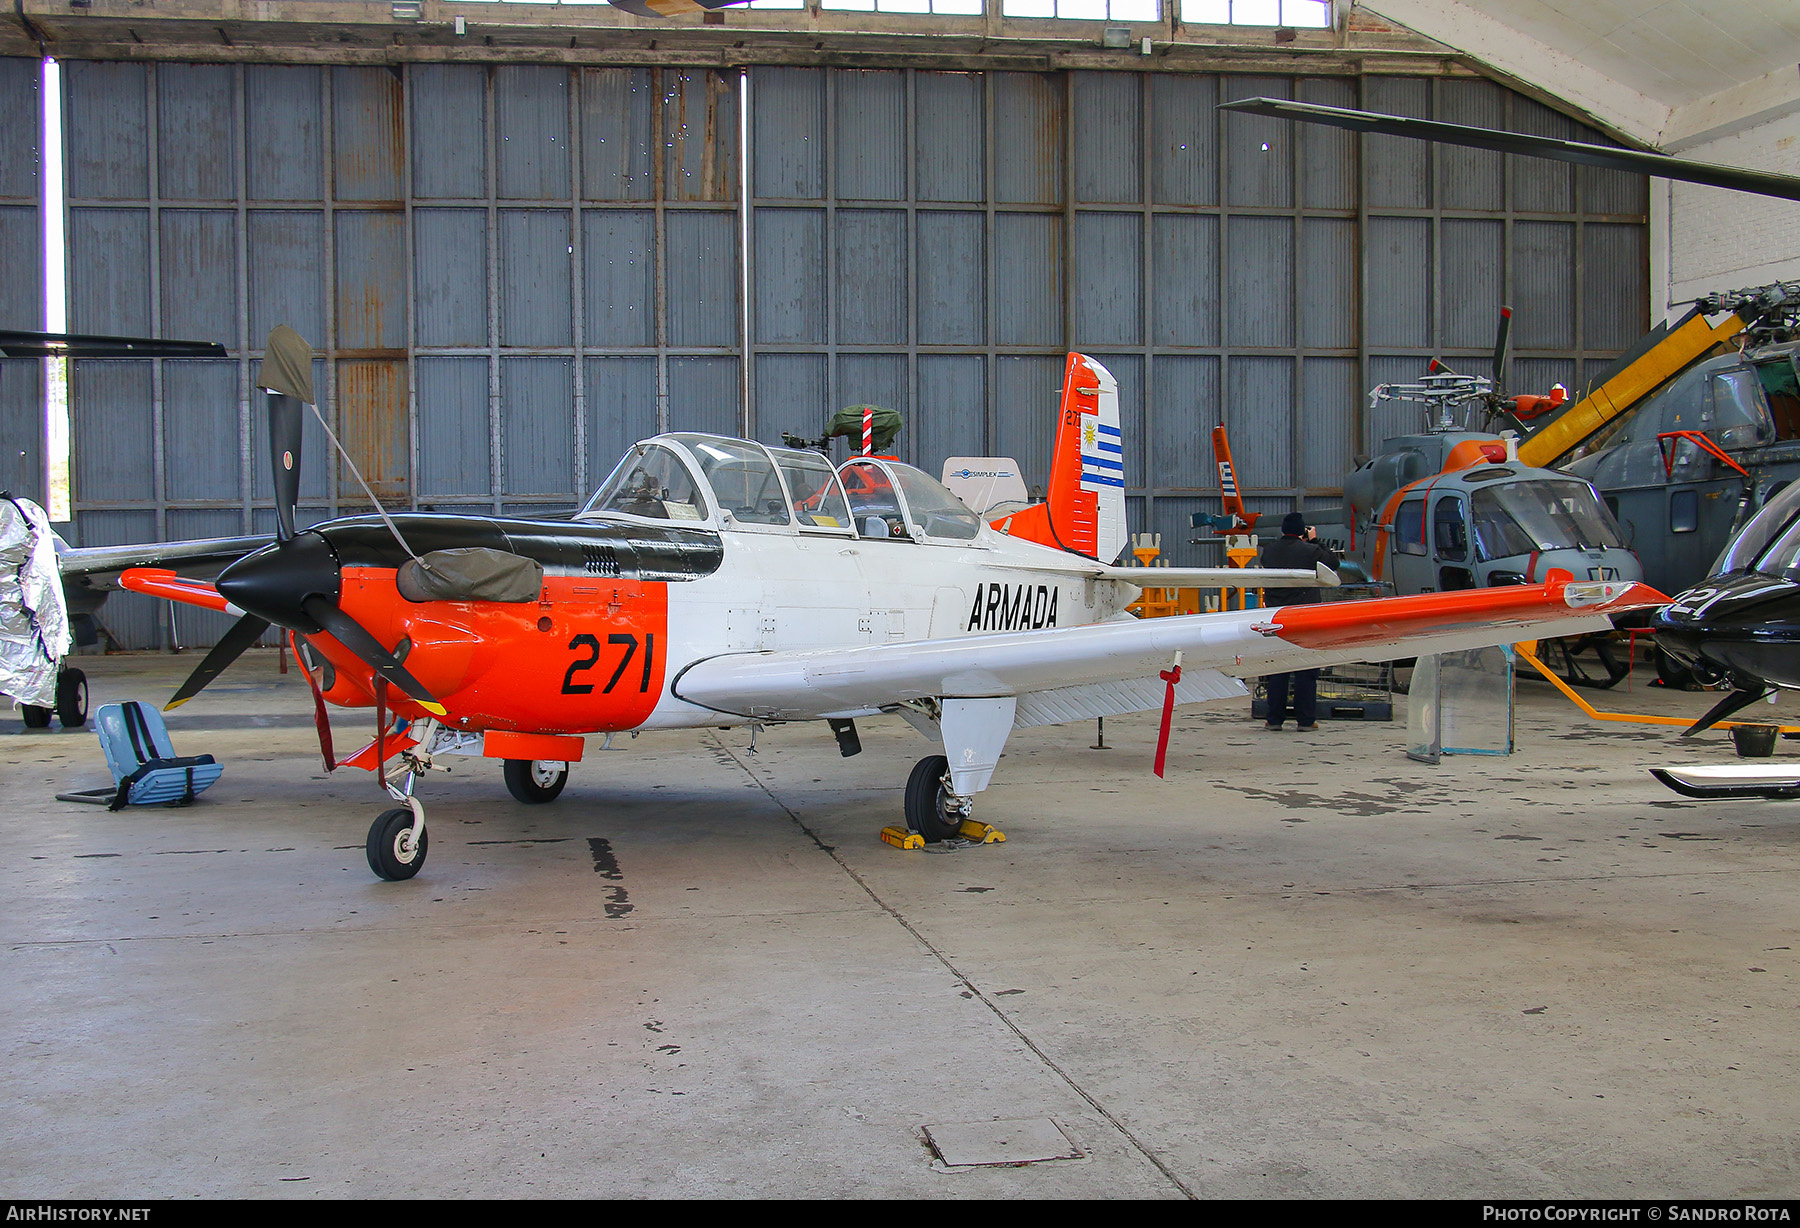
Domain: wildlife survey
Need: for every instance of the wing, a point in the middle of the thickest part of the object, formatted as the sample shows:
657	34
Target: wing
99	567
1222	577
1070	673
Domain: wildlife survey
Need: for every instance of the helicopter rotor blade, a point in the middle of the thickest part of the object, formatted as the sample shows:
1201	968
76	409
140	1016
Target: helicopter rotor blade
243	633
1500	343
1762	183
1740	698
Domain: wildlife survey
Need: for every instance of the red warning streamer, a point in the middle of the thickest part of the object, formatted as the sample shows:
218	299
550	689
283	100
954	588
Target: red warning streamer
321	721
1171	677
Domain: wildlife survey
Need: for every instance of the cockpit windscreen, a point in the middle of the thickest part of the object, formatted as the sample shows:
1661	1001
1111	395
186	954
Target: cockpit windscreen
1526	517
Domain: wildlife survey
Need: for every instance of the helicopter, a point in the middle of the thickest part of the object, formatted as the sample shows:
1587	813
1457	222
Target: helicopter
1741	626
1453	508
1697	425
1697	458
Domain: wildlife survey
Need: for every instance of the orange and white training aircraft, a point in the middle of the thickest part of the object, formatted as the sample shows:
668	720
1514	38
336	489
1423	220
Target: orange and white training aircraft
714	581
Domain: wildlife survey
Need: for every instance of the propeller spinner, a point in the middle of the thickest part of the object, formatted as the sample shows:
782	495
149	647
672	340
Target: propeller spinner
294	583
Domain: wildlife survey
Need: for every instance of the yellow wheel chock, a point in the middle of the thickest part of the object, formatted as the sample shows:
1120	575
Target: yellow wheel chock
978	833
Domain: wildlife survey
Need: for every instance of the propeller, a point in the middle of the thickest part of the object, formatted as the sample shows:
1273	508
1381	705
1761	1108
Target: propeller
1743	697
244	632
294	583
287	374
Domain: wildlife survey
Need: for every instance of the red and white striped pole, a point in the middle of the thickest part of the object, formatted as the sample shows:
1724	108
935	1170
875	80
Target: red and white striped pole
868	430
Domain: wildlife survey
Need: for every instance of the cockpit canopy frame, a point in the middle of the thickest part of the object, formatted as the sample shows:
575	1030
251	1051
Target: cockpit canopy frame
722	483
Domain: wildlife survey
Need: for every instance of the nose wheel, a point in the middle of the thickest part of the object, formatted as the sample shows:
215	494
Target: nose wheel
398	841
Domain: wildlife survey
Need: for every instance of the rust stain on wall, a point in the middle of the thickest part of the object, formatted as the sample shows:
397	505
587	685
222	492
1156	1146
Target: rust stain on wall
372	423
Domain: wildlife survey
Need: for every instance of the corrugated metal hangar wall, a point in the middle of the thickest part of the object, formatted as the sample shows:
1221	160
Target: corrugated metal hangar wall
513	271
21	285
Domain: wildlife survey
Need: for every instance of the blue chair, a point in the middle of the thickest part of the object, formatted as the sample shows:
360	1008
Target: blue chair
146	770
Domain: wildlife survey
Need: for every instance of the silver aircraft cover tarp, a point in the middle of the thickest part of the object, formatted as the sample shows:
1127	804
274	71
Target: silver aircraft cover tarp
34	621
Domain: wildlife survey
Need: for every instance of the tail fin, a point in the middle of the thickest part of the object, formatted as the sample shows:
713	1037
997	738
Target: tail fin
1228	487
1084	510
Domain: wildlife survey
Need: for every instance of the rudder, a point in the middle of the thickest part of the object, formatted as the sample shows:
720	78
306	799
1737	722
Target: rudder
1084	509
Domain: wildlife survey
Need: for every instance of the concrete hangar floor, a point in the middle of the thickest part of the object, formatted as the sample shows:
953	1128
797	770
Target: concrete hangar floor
1301	966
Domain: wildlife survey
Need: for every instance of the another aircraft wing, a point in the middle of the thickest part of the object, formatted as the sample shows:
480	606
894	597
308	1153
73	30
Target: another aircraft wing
97	568
1223	577
1071	673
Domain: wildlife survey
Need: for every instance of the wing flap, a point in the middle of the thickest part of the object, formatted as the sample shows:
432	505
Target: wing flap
1084	703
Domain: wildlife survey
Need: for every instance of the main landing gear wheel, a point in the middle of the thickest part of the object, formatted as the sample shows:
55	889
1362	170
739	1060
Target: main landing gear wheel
931	809
536	780
71	703
71	698
393	854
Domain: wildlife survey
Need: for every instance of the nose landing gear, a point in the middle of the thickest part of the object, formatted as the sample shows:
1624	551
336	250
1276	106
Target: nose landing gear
397	838
398	841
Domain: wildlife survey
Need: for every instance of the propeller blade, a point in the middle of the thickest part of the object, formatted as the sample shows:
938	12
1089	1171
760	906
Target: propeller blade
1500	343
350	633
1724	708
284	457
286	372
1763	183
244	632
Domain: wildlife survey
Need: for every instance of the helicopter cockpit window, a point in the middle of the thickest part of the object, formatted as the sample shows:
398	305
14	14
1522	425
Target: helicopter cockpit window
1779	516
651	481
818	497
1409	527
742	478
1448	529
1782	387
1739	414
875	505
934	508
1523	517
